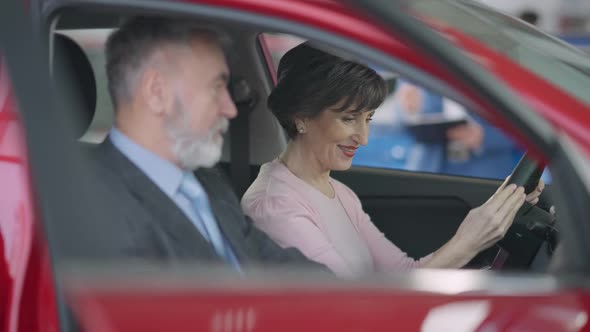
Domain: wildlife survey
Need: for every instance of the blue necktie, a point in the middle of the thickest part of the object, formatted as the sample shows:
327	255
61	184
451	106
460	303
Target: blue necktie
206	223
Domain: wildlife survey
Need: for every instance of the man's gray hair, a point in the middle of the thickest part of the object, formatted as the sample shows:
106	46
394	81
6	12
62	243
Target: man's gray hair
128	48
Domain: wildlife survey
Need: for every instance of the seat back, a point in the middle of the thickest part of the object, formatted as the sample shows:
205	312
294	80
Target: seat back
73	72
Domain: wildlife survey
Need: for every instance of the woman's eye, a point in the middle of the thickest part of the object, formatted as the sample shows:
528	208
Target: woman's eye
369	119
347	119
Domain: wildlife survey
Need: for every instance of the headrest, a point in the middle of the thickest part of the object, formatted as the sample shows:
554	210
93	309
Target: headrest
73	69
242	94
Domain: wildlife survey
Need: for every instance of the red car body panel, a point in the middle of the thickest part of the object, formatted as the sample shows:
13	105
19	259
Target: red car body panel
343	309
15	223
27	299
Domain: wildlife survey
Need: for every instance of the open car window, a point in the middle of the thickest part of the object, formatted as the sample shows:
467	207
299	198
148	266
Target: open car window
418	130
415	142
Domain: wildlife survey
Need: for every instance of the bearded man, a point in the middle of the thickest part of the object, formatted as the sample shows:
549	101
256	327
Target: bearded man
168	81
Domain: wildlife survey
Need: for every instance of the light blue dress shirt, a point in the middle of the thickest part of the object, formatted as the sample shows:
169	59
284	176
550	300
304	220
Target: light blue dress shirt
165	175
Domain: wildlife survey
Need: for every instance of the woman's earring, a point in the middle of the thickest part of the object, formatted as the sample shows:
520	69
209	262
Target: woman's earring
301	130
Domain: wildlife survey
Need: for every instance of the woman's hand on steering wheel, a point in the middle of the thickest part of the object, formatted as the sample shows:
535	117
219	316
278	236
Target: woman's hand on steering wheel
487	224
533	197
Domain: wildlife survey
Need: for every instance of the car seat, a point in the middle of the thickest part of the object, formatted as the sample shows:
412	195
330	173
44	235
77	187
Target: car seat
72	70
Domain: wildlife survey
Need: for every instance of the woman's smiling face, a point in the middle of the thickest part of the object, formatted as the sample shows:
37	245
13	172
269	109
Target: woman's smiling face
333	137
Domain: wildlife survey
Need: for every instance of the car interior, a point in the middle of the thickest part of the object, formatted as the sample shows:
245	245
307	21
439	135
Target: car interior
417	211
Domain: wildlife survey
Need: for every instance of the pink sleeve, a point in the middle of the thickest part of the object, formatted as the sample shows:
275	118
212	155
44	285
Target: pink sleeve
291	224
387	256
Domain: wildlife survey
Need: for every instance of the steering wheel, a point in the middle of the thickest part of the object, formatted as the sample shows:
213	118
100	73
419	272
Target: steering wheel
527	173
539	222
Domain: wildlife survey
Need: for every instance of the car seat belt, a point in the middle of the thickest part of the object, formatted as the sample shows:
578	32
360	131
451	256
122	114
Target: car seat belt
239	130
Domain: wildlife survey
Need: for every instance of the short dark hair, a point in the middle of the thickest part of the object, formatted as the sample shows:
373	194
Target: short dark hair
310	81
134	42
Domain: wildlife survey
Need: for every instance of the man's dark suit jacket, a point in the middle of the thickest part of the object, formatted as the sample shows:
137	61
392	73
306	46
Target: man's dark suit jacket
136	220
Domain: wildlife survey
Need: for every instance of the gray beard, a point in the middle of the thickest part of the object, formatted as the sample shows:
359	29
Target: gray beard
193	151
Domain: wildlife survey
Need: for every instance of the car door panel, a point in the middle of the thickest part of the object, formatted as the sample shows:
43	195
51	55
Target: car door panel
411	222
420	212
417	212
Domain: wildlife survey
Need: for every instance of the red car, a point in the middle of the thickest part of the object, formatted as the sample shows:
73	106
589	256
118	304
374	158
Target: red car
532	86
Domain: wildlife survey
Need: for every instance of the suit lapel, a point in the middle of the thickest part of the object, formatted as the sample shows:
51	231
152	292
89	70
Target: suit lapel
187	240
226	210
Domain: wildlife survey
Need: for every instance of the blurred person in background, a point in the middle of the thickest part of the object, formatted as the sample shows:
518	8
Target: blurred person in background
472	149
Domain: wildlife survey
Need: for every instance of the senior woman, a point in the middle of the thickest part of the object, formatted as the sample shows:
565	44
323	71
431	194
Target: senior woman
325	104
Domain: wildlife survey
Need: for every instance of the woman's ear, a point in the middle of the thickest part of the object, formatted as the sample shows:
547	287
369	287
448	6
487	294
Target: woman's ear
300	125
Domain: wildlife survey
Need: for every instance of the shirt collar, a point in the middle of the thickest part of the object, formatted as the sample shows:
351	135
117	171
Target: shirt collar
163	173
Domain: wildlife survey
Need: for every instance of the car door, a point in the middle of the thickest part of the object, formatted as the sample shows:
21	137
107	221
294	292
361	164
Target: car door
123	304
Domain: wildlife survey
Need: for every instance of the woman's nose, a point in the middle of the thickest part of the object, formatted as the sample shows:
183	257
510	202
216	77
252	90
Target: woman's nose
363	134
